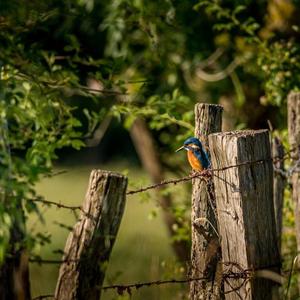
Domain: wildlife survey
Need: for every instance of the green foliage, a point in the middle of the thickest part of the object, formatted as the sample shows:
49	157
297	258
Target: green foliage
35	117
33	125
144	54
281	67
229	18
275	59
162	111
182	230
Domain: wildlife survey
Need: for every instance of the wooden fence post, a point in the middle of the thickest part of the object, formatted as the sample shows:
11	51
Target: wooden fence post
205	242
294	141
278	185
89	245
244	196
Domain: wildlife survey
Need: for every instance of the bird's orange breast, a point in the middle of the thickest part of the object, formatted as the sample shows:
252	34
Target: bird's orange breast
194	162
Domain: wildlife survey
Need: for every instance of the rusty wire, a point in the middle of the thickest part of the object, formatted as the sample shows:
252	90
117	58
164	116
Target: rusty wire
205	174
121	289
57	204
229	277
208	173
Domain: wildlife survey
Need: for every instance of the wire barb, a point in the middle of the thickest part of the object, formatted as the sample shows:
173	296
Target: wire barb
205	174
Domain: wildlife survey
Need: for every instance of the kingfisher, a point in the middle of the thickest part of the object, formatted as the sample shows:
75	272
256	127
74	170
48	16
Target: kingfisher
196	155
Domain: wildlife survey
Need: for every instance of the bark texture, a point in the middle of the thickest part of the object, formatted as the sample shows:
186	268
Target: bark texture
14	271
89	245
294	140
244	196
278	185
14	277
205	251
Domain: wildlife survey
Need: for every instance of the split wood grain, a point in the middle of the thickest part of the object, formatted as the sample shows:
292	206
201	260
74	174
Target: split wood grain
278	185
294	141
205	251
244	197
89	245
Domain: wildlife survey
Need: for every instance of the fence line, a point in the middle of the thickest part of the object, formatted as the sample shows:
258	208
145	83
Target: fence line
204	174
127	288
57	204
246	274
51	261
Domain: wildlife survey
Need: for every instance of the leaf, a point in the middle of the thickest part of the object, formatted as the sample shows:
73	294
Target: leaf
239	9
129	120
26	86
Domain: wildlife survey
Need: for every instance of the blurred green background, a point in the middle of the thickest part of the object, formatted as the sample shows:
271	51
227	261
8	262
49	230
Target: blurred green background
117	82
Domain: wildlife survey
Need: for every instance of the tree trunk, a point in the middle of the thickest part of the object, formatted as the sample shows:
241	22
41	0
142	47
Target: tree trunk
145	147
14	272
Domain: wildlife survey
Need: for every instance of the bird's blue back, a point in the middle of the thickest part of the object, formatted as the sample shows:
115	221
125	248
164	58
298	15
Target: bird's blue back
200	153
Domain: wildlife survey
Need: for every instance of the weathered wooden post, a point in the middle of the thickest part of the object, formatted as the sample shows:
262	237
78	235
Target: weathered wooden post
294	140
205	242
278	185
89	246
244	196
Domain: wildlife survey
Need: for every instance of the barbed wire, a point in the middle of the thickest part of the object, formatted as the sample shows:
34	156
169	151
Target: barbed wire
121	288
60	205
207	173
127	288
245	274
41	261
204	173
57	204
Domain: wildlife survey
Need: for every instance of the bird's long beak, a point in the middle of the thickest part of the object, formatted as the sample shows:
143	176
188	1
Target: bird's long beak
182	147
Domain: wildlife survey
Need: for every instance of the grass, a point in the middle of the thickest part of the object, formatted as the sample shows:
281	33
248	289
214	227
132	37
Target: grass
142	251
